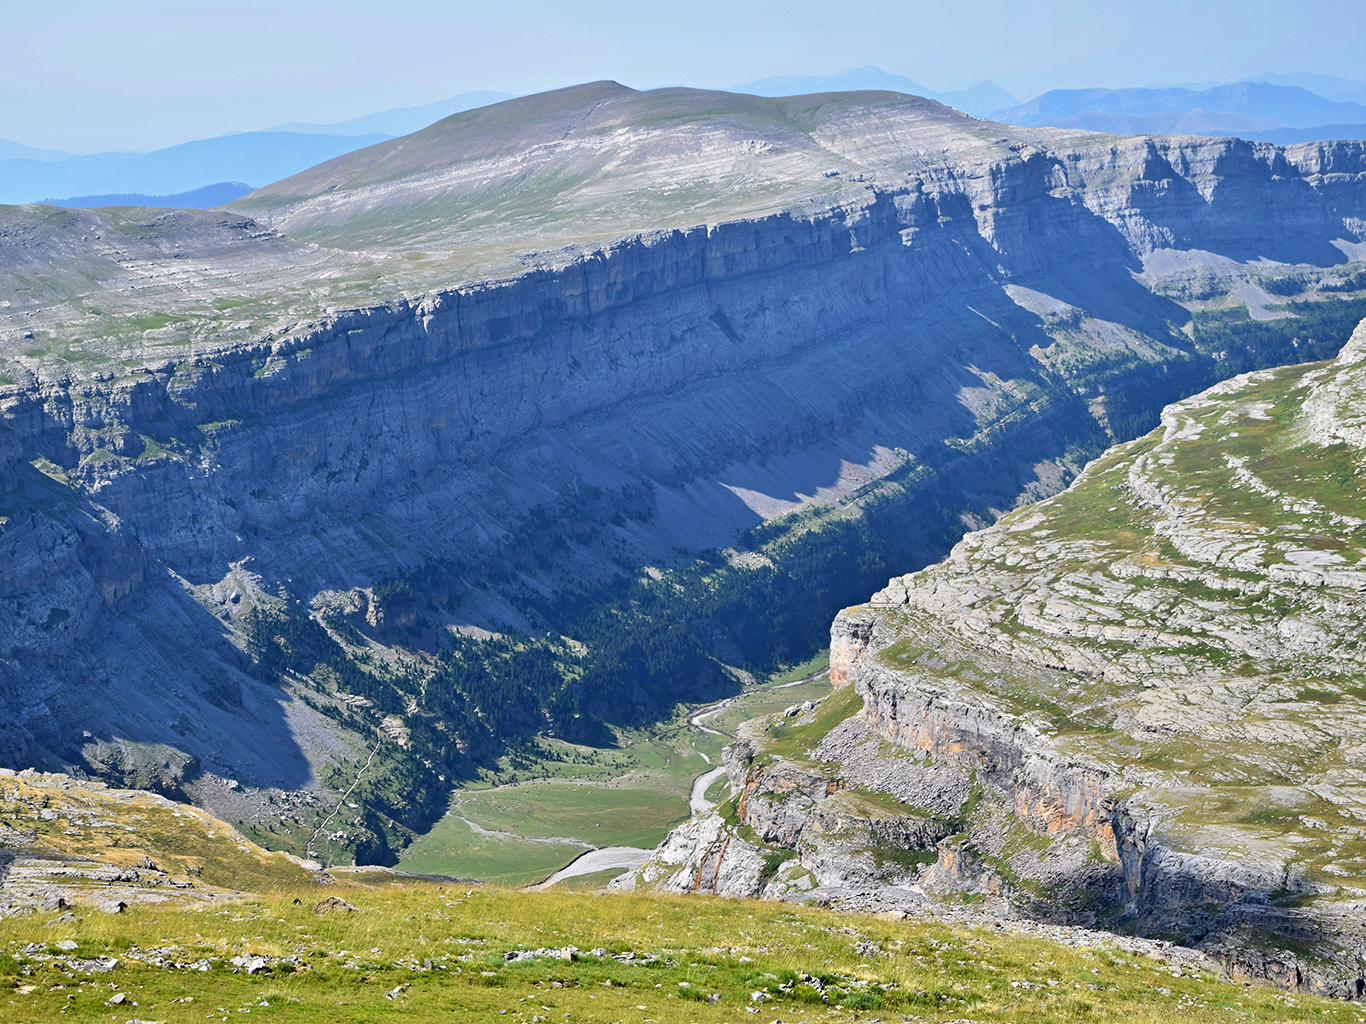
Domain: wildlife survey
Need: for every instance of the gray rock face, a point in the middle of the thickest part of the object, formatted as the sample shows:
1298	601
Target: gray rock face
1117	673
1087	711
205	411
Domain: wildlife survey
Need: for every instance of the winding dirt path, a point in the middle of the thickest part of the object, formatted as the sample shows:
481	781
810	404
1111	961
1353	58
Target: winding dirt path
698	802
308	847
598	860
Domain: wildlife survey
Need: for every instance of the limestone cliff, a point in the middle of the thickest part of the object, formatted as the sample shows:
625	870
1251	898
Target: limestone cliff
1136	705
890	308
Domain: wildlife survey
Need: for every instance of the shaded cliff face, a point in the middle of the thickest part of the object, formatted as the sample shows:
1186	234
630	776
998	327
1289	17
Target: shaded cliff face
1164	659
1136	705
202	414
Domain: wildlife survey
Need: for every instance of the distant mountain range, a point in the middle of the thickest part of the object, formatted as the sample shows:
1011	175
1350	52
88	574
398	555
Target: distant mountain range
400	120
982	99
1331	87
257	158
12	150
1266	111
179	173
1280	108
199	199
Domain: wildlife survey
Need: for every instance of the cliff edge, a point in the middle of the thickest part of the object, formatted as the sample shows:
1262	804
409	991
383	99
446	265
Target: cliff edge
1136	705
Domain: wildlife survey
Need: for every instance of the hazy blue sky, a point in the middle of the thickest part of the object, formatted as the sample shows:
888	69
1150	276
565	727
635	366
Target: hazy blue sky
84	75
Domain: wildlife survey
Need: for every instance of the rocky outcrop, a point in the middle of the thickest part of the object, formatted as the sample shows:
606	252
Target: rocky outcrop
1058	654
1118	678
215	412
74	845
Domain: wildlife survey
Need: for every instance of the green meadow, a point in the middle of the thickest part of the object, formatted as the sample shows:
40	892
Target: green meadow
422	952
628	795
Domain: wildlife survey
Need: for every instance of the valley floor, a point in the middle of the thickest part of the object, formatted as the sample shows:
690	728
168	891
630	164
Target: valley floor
571	799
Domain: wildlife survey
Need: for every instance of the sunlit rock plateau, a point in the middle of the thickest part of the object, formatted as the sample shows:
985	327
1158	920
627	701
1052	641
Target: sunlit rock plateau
1136	705
566	337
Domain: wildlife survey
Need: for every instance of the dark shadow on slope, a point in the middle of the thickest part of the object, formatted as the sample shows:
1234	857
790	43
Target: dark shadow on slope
162	693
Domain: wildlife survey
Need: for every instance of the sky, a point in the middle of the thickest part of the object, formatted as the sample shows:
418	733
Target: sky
90	75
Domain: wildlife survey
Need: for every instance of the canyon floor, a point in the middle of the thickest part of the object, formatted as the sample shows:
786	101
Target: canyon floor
575	799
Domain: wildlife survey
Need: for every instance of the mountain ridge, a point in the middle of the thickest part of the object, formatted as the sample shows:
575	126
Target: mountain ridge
216	194
1132	705
269	480
247	156
1221	110
979	100
398	120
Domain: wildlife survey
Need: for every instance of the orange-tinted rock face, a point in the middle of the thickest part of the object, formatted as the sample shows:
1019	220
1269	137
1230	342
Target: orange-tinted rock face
848	642
1071	805
1050	797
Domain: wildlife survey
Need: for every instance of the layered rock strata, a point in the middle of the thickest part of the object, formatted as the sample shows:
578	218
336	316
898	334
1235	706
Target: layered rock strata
1136	705
200	412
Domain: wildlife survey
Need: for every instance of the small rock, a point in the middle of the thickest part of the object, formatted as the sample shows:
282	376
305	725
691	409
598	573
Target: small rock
251	964
117	999
114	907
66	945
52	902
333	904
395	993
63	919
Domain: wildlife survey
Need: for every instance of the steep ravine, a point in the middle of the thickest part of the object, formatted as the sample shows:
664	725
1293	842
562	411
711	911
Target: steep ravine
1134	706
930	354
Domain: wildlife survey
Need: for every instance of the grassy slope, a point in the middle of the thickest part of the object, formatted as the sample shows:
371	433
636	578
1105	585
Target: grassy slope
1251	731
591	161
120	826
350	963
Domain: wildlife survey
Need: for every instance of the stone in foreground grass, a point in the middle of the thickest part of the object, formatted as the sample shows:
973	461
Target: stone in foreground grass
430	953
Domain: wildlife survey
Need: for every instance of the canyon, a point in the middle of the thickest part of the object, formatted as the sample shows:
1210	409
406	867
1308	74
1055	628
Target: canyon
554	343
1132	706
